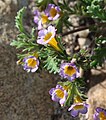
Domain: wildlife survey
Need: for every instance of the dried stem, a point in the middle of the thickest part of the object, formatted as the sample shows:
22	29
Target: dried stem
76	30
83	28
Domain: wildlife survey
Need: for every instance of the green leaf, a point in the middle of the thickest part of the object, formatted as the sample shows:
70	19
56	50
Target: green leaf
66	83
51	64
70	97
50	59
24	40
19	19
99	56
26	46
33	34
96	10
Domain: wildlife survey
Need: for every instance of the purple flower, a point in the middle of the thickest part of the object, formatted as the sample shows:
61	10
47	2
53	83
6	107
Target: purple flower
59	94
100	114
46	36
69	71
53	12
77	108
40	19
37	16
31	63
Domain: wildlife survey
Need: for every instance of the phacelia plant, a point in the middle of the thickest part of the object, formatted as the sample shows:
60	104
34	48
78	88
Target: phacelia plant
43	47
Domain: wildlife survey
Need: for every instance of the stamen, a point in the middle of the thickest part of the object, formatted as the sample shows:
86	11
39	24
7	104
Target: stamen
44	19
59	93
53	12
69	70
32	62
47	36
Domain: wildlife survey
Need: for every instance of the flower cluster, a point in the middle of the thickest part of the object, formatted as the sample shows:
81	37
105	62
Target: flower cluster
51	13
60	93
46	49
46	37
46	34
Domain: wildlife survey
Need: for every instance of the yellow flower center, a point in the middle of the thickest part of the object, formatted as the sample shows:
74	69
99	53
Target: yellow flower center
44	19
59	93
32	62
69	70
47	36
53	12
78	107
102	116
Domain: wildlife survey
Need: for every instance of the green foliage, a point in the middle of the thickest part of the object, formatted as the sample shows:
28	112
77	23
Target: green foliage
70	97
24	41
64	5
99	53
83	59
19	25
50	59
96	11
67	83
99	56
51	64
26	46
19	20
94	8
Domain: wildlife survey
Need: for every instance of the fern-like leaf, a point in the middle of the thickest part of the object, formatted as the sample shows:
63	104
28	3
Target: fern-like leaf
19	19
51	64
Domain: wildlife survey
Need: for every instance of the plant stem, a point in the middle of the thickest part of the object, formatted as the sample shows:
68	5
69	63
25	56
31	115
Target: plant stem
76	30
84	28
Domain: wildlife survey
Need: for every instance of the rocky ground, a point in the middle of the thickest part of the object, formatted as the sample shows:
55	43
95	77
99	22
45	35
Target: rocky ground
24	96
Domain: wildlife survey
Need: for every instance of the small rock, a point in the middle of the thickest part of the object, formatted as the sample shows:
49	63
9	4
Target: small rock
83	42
96	98
83	33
